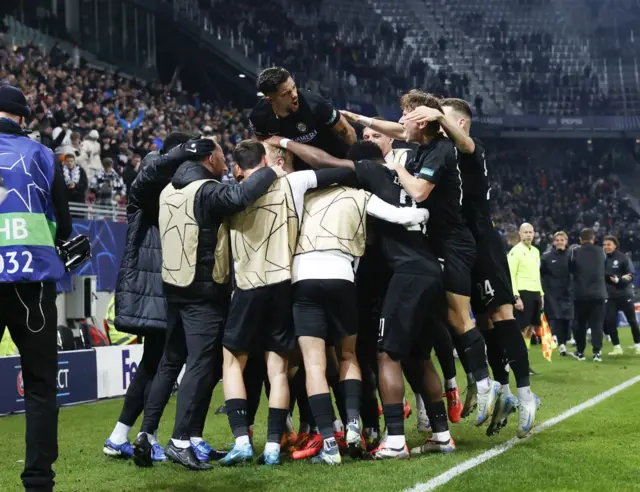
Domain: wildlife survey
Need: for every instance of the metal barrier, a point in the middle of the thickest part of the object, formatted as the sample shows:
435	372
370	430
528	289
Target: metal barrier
91	211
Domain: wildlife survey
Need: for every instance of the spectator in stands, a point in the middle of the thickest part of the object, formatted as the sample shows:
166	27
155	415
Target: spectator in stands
75	178
91	147
107	185
130	123
131	170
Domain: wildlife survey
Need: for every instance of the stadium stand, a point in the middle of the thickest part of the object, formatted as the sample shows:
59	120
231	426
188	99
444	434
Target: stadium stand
378	49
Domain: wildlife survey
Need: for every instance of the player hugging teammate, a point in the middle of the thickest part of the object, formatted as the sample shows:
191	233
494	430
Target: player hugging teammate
448	176
341	285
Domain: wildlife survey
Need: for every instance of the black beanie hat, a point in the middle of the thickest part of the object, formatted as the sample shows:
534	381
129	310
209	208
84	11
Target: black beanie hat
12	101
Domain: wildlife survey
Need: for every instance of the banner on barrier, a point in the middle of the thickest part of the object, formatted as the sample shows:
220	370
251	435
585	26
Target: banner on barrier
76	380
116	366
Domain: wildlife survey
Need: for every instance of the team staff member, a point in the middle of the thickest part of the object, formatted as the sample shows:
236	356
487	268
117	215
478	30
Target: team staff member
524	265
192	208
33	216
619	273
139	306
587	265
556	282
299	115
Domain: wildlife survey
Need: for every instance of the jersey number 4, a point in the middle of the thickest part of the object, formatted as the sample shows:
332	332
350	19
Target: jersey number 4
486	291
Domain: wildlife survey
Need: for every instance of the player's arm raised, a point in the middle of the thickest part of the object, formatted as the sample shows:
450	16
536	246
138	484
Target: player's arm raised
316	158
389	128
458	136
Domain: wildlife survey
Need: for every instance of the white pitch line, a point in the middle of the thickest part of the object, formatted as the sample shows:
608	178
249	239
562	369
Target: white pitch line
502	448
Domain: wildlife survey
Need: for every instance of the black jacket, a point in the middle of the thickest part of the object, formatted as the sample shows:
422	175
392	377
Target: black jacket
617	265
556	283
587	268
140	305
213	202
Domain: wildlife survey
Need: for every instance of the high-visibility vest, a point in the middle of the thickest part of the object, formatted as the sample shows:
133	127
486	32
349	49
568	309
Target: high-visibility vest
116	337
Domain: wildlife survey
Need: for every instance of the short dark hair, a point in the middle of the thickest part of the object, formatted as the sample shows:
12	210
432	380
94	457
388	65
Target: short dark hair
173	140
613	239
459	105
271	78
587	234
414	98
107	161
364	150
248	154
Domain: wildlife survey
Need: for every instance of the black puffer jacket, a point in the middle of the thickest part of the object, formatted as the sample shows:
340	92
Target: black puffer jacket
213	202
140	304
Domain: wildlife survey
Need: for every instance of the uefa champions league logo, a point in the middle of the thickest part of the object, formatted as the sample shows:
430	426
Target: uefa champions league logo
20	384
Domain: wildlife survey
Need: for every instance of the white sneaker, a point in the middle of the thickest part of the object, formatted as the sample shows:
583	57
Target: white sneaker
572	342
562	349
487	402
423	420
527	416
607	338
505	406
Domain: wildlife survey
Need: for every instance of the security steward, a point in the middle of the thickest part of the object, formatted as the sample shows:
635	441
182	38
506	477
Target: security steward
192	208
556	282
619	273
34	216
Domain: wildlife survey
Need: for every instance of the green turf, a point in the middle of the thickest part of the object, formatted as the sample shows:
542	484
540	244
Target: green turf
594	450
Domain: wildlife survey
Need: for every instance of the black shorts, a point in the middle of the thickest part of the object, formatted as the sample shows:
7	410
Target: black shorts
260	319
325	308
490	278
410	301
532	308
457	255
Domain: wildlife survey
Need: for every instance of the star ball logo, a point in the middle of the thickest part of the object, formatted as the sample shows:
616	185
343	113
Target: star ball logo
20	384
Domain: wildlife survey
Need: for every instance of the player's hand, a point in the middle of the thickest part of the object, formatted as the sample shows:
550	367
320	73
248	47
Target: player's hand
519	305
275	141
628	276
351	117
423	114
614	279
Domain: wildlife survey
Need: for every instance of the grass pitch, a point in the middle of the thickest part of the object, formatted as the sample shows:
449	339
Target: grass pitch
596	450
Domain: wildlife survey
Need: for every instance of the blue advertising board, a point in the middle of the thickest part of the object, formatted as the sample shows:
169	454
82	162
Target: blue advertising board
76	380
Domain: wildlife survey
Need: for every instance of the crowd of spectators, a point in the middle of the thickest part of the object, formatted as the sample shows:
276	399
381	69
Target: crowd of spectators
563	185
100	125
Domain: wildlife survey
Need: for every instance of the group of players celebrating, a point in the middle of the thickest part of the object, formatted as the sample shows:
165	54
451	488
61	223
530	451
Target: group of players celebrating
349	263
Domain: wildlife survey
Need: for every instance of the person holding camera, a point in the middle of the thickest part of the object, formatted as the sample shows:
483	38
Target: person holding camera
34	216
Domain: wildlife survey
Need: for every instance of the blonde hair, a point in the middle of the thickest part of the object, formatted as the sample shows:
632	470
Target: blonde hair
561	233
274	153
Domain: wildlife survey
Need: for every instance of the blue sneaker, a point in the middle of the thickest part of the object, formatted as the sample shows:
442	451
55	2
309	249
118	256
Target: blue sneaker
239	454
157	453
270	458
124	450
204	452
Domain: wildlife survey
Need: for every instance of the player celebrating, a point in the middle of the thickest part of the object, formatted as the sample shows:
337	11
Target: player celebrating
332	237
299	115
415	283
492	295
433	179
263	238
